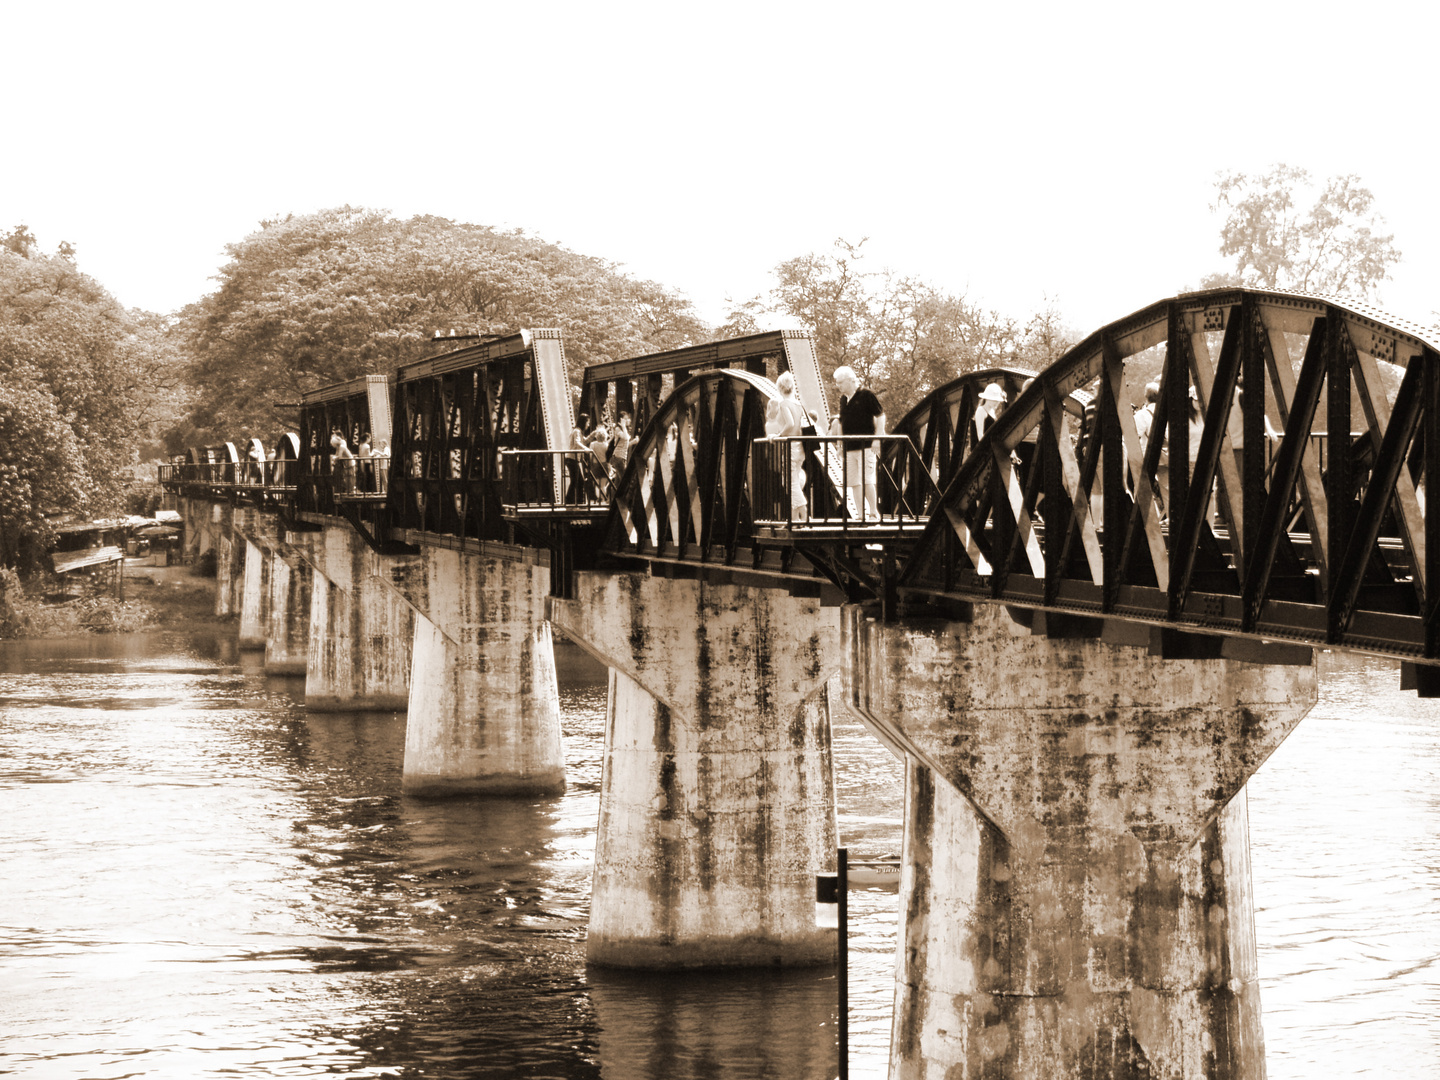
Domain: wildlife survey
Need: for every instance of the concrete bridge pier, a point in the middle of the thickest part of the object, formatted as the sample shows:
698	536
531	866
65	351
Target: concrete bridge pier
202	521
1077	896
255	594
229	547
287	633
259	535
484	711
717	806
357	654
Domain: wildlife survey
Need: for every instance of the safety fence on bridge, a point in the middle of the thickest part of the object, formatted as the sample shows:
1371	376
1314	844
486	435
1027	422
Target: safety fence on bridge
246	470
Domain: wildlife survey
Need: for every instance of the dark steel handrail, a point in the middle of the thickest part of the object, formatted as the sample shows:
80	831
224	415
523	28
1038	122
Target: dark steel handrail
272	475
905	490
527	481
360	479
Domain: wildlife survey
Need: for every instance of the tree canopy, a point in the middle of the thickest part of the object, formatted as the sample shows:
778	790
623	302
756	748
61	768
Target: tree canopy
82	383
310	300
903	336
1333	245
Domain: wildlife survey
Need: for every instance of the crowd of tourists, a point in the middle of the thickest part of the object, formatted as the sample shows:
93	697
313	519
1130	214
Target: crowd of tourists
360	469
604	453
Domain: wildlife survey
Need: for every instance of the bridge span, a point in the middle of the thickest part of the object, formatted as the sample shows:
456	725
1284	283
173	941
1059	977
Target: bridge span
1084	617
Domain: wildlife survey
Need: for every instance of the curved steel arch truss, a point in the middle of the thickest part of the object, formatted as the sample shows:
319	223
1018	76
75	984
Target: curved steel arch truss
684	494
1278	494
947	423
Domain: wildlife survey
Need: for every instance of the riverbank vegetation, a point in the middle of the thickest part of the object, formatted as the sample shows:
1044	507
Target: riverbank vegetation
85	385
172	601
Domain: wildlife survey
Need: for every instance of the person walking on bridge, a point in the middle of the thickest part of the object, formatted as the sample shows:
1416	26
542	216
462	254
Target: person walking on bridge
344	461
860	414
787	420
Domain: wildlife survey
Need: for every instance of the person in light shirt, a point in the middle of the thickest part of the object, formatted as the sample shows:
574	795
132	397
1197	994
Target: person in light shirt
786	417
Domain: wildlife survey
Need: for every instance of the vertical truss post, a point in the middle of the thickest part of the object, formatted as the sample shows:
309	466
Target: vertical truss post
1339	489
1057	512
706	465
1113	465
625	399
1252	427
1431	609
1177	412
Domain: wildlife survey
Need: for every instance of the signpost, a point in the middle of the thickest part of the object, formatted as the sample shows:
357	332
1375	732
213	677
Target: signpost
831	910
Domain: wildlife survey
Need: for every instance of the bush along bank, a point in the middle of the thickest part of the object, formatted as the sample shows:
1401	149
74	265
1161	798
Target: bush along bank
175	601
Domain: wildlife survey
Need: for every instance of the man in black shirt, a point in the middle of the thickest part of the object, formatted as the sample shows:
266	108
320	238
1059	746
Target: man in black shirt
860	414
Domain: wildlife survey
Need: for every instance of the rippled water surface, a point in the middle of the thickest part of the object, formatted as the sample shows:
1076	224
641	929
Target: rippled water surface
1345	851
201	879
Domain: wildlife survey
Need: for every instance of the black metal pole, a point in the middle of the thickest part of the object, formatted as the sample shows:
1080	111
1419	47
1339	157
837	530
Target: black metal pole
842	883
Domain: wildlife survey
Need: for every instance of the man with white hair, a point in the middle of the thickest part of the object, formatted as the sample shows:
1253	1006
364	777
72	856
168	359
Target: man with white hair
860	414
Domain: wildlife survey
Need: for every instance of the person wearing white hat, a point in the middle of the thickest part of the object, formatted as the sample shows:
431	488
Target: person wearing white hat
992	398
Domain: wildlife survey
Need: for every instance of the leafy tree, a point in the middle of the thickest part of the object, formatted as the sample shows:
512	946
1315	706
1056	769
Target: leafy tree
42	466
833	298
903	336
157	381
19	241
79	376
1335	245
744	317
311	300
1046	337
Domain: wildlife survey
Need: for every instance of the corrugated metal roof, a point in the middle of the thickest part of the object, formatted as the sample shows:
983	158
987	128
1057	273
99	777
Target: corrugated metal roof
66	561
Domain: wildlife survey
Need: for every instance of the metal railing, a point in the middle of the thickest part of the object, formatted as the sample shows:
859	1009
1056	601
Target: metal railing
527	482
844	483
360	479
279	475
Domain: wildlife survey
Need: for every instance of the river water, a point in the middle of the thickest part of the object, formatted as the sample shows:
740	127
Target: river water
201	879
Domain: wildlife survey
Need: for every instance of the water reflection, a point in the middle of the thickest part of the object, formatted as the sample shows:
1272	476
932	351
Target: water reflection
720	1025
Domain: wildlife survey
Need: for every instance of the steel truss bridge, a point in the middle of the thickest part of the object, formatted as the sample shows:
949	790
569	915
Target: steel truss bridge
1278	502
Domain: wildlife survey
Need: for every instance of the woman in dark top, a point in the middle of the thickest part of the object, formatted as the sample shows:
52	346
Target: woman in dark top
860	414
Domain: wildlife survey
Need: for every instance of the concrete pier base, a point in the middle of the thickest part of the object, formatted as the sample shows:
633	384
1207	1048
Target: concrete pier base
229	560
288	632
357	654
717	803
484	711
199	531
255	595
1076	898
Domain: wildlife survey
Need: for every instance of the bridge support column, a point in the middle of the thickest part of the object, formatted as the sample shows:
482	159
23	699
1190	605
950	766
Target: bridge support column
229	559
717	805
357	654
484	712
196	538
287	635
255	594
1077	890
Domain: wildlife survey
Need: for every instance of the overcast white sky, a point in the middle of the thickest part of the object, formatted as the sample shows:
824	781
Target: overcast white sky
1009	151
